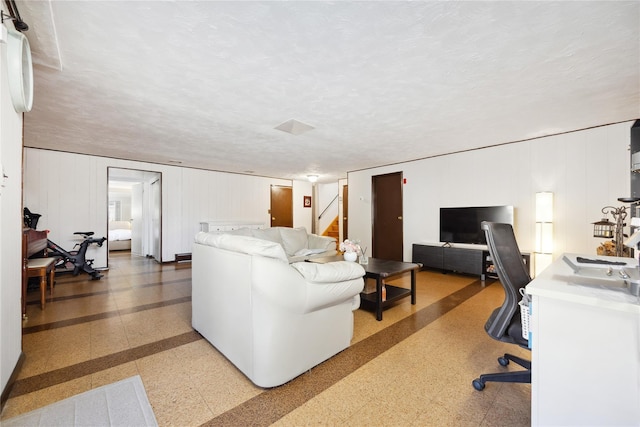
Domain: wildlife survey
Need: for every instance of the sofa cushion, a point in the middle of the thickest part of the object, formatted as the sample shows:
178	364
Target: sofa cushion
293	239
330	272
244	244
307	252
271	234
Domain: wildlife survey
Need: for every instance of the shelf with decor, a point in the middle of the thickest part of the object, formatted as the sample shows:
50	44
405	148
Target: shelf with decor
463	260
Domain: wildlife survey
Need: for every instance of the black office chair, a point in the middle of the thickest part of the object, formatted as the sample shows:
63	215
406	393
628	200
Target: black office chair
505	323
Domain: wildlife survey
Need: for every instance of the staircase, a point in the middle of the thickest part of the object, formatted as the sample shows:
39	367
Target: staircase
333	230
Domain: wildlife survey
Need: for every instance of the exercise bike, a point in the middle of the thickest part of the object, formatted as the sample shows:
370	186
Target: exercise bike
76	259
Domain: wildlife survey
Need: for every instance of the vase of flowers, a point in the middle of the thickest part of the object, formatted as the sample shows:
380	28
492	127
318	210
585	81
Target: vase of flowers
350	249
350	256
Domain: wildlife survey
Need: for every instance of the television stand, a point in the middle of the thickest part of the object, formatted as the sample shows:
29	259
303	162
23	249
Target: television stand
463	260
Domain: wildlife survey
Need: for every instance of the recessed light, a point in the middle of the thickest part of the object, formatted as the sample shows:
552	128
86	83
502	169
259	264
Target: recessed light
312	178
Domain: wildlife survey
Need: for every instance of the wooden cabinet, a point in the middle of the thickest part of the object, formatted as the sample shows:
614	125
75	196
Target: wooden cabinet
447	258
429	256
475	261
463	260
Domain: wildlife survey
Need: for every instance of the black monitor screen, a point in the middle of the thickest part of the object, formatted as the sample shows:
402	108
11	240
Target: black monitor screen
462	225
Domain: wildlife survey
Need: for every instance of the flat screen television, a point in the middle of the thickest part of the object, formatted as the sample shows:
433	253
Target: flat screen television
462	225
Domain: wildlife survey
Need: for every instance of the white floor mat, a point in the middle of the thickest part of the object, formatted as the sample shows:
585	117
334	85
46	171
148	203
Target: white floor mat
123	403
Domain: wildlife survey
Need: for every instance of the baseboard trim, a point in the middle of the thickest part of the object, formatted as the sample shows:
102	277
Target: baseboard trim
12	379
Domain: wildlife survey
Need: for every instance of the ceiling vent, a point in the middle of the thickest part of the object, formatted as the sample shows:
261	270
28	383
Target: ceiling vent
294	127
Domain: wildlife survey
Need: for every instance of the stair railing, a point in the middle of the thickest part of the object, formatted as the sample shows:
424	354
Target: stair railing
328	206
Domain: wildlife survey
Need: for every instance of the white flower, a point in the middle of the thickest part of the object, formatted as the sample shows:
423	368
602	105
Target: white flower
350	246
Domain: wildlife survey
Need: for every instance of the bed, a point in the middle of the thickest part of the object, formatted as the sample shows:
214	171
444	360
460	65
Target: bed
119	236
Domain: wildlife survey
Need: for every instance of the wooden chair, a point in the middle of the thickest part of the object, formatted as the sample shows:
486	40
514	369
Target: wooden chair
43	268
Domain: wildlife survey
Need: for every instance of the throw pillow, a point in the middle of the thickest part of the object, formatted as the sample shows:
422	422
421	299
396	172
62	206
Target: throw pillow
293	239
271	234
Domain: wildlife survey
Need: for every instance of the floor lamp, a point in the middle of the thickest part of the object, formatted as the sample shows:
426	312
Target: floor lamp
543	255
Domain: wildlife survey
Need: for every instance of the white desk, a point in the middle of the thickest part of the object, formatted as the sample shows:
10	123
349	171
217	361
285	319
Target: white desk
585	351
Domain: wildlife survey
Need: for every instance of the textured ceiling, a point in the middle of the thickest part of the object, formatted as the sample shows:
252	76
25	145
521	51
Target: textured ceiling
205	83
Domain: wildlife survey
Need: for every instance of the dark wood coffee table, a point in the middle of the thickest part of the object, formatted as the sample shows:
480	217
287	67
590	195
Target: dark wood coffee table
381	269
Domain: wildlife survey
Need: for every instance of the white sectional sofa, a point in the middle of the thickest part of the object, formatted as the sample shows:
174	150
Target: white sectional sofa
273	320
296	242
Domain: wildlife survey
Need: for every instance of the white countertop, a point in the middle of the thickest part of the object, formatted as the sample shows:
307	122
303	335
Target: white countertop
558	281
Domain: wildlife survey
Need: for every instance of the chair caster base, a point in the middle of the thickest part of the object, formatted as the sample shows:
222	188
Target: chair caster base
478	384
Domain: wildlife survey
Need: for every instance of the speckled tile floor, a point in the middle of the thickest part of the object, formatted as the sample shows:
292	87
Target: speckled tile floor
413	368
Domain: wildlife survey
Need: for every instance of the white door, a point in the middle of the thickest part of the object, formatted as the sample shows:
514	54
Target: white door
156	225
137	219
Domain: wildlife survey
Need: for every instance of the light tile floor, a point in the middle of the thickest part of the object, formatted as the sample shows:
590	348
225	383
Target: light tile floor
136	320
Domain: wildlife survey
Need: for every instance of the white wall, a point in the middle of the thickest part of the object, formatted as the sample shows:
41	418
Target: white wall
10	229
70	192
122	195
585	170
302	217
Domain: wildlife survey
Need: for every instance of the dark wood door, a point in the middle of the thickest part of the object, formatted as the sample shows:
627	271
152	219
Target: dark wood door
387	216
281	206
345	212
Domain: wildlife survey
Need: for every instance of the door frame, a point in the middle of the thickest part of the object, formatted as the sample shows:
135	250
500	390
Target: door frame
150	230
344	223
271	203
374	203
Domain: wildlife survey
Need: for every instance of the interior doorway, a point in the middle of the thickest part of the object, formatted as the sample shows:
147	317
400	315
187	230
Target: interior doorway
345	212
281	206
387	239
135	202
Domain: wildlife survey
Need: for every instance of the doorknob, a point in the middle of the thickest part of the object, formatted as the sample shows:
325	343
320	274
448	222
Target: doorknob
400	218
345	218
273	218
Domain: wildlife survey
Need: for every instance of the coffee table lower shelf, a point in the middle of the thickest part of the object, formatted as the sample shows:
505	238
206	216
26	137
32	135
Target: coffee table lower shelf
369	301
382	270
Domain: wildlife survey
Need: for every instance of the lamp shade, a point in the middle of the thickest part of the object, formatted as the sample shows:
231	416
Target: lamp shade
544	237
544	231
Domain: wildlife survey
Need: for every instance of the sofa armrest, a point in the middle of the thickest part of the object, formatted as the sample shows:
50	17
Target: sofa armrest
331	283
331	272
321	242
284	286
